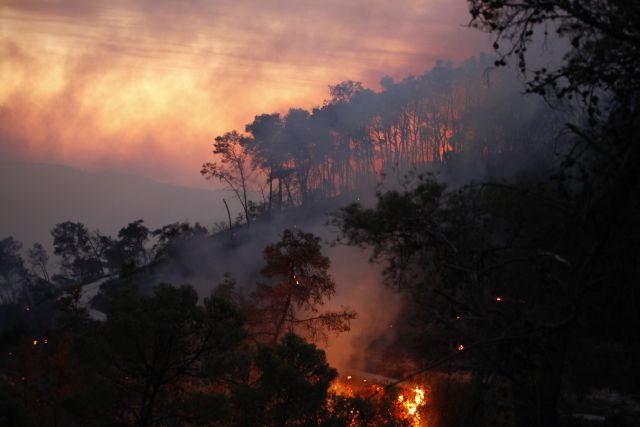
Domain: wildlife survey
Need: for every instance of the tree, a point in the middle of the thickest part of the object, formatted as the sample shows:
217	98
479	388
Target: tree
129	250
38	259
298	141
172	238
234	168
13	274
344	91
601	69
487	272
132	239
604	38
267	152
80	252
159	359
294	377
299	284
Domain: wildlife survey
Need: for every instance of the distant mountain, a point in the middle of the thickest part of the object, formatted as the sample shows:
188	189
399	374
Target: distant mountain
35	197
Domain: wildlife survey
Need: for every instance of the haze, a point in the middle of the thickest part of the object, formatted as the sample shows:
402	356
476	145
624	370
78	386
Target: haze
144	86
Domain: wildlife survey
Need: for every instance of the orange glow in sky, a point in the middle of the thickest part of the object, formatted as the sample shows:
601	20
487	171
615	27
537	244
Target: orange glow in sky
144	86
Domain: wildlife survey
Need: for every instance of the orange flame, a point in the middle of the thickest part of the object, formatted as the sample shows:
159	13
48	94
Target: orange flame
411	405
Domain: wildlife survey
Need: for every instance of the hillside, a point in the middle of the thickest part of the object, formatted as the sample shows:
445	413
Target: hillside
37	196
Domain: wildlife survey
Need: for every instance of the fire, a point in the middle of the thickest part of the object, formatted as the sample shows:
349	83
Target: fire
408	401
412	403
460	347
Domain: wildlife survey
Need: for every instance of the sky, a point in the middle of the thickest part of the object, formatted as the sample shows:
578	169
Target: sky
144	86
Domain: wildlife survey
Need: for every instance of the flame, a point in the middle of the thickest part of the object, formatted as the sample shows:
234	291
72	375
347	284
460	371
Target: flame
412	403
460	347
408	405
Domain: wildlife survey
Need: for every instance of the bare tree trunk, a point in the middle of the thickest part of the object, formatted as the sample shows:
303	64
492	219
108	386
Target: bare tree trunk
228	213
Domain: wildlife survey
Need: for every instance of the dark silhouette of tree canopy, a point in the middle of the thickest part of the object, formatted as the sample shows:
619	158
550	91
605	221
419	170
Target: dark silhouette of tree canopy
601	69
128	251
264	146
604	38
38	259
488	268
172	238
13	274
132	239
299	285
151	361
292	386
359	135
80	252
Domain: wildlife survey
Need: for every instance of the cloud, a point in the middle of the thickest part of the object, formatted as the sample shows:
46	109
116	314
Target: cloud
145	86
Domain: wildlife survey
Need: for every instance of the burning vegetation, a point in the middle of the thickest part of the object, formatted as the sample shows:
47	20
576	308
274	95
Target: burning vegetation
519	293
404	403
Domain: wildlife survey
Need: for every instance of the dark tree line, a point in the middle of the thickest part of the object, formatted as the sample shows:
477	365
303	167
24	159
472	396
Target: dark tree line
165	358
359	134
531	284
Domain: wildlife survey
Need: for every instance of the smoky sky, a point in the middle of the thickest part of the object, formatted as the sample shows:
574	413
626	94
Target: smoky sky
144	86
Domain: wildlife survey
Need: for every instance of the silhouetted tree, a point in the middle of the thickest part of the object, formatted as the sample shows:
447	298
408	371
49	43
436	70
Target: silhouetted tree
267	152
299	285
13	274
292	386
476	266
173	237
129	250
158	360
38	259
600	68
234	168
80	252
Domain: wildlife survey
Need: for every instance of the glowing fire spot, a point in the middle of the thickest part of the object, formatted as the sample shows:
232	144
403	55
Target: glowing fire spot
460	347
411	404
498	299
348	377
34	342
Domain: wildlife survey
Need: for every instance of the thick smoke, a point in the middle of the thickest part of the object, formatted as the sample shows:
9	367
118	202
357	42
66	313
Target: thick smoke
457	122
140	86
465	120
